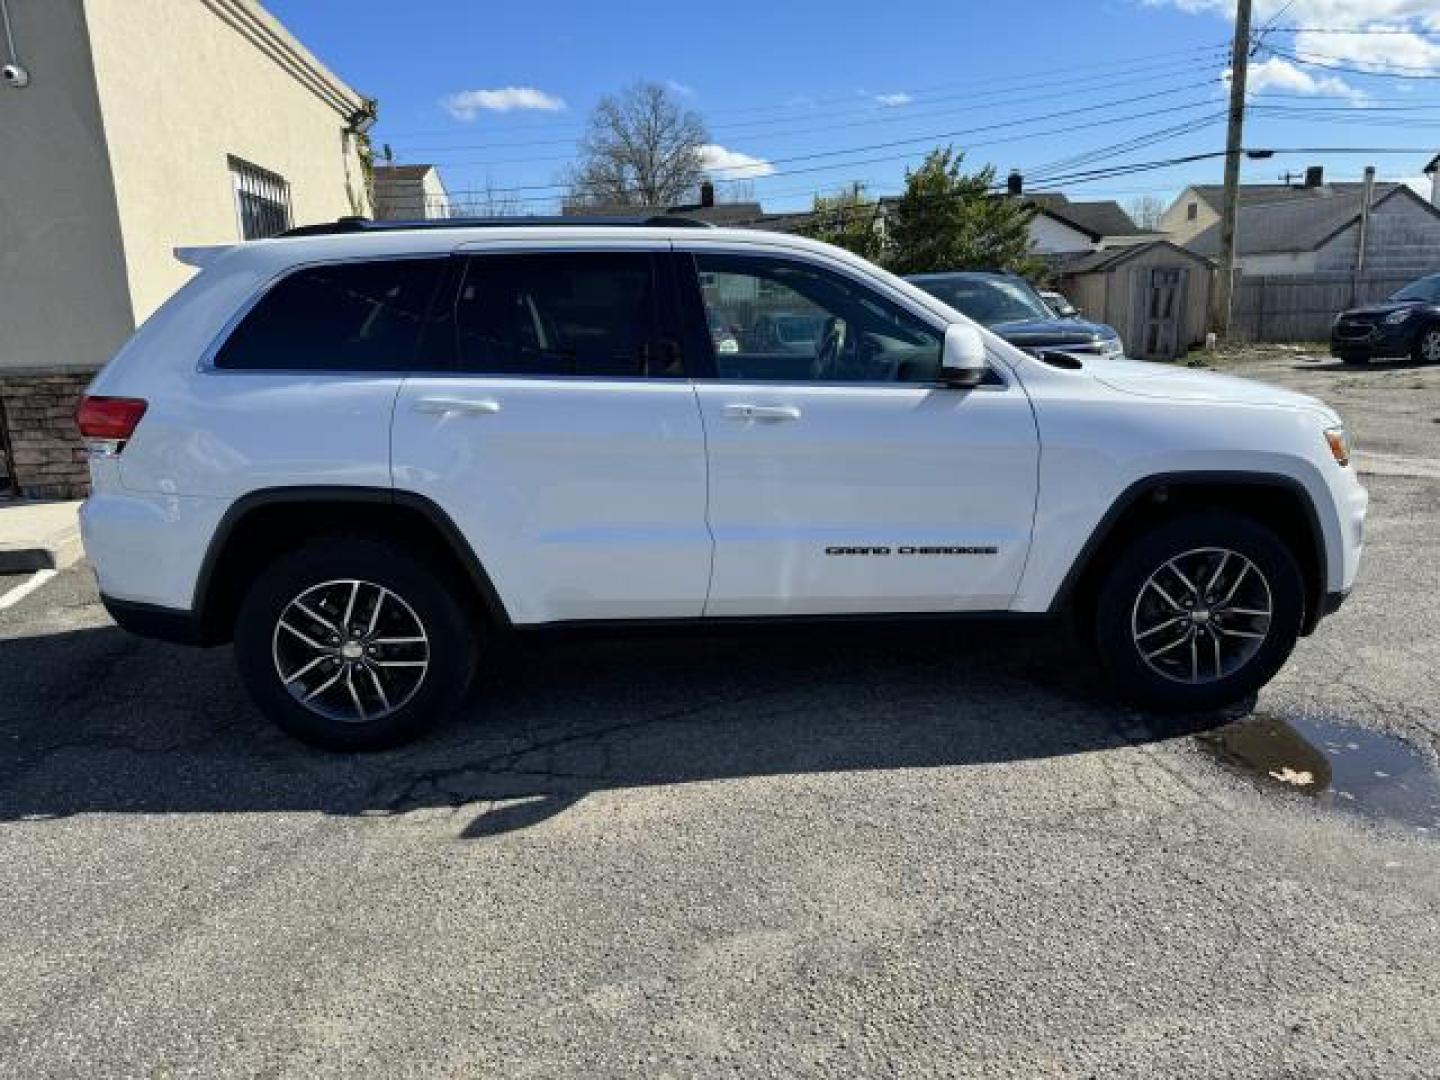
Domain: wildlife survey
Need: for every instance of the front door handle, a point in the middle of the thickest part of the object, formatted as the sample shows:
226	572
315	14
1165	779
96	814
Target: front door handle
761	412
445	406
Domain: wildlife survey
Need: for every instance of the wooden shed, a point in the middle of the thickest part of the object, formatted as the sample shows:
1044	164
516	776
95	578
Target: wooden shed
1155	294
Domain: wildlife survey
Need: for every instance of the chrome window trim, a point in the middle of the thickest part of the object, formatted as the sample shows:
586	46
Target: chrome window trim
206	363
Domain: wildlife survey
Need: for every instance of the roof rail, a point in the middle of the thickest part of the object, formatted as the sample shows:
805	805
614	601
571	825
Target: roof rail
345	225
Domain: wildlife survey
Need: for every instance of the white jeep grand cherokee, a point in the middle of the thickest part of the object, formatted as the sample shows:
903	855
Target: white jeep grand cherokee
360	451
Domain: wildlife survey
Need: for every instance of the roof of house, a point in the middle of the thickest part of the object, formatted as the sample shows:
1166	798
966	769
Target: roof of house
1095	219
1293	224
1109	258
401	172
1214	194
1434	165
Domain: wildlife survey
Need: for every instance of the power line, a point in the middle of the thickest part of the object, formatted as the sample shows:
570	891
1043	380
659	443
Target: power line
937	137
1365	31
1125	146
899	115
1052	184
1048	74
930	139
1335	63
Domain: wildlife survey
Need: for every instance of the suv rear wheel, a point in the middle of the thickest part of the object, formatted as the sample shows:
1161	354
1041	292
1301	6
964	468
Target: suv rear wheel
1198	612
352	643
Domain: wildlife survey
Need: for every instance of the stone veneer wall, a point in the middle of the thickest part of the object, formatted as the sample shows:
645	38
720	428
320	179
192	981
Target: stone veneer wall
37	411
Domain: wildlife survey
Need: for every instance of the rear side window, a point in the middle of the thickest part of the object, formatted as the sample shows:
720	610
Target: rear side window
354	316
562	313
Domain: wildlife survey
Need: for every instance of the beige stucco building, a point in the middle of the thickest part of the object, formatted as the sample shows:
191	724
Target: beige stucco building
145	125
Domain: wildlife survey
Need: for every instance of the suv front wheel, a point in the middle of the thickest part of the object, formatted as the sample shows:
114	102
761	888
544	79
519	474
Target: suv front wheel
352	643
1198	612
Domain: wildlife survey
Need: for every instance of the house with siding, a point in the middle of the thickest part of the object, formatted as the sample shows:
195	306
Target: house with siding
143	127
1062	230
410	192
1317	230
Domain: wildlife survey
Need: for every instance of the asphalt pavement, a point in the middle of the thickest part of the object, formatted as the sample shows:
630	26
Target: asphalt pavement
917	852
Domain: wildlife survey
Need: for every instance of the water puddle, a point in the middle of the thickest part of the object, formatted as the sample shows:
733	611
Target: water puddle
1337	765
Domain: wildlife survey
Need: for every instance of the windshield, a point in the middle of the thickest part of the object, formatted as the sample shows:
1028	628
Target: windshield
1426	290
989	300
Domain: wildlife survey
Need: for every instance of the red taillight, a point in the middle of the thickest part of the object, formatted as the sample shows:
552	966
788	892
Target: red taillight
109	419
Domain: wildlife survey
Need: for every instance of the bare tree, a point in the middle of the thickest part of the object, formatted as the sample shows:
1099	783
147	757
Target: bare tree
487	201
642	149
1146	211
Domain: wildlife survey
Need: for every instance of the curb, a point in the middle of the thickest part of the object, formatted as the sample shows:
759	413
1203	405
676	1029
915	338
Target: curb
55	550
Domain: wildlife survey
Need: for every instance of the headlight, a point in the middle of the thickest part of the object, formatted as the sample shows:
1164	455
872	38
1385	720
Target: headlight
1395	318
1339	440
1111	347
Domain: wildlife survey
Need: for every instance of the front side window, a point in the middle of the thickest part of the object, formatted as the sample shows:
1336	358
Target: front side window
779	320
357	316
562	313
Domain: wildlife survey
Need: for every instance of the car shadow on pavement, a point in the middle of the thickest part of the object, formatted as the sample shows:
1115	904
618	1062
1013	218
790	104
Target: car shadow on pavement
96	721
1330	365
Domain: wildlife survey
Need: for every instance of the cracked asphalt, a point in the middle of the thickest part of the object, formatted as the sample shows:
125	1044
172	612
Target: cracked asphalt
915	852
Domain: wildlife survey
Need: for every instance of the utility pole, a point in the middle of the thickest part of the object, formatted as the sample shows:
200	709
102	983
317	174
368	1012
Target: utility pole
1220	296
1367	196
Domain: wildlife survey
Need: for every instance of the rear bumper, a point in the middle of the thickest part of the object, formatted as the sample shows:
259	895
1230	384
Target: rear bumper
147	549
153	621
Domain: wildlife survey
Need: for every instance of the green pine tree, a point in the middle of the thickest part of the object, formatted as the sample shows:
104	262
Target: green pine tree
846	219
948	219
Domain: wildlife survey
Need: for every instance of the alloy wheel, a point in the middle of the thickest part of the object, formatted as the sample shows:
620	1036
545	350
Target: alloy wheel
1202	615
350	650
1430	346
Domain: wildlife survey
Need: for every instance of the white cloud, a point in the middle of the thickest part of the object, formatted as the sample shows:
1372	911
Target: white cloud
468	104
732	164
1373	52
1330	13
1280	74
1381	36
893	101
680	88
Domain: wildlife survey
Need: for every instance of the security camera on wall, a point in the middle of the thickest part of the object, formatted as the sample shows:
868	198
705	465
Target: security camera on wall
15	75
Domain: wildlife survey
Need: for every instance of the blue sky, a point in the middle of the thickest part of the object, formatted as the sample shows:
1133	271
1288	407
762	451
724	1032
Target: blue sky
804	97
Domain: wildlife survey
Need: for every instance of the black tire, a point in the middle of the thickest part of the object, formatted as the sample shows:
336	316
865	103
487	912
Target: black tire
1428	340
1120	608
415	594
1354	359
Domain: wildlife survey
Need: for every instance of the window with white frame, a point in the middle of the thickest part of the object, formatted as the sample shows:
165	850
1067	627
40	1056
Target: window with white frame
262	200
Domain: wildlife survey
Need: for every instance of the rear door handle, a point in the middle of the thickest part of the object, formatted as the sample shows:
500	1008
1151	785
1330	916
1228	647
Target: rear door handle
445	406
761	412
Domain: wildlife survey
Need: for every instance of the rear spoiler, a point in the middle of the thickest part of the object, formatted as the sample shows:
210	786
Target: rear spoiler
201	256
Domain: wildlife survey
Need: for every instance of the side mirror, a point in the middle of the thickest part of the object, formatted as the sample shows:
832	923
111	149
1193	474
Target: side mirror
962	360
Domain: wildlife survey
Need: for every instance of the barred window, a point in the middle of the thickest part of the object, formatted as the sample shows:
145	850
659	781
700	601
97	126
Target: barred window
262	200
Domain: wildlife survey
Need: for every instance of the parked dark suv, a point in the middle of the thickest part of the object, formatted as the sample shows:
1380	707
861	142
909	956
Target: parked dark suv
1407	324
1010	306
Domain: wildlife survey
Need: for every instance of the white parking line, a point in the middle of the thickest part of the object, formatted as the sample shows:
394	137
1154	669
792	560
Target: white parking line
15	595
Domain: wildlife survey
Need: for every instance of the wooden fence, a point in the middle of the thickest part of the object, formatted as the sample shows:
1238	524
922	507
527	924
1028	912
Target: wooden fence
1301	307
